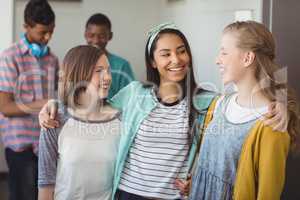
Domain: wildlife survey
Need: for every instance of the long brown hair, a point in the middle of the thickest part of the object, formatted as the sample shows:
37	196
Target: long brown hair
76	71
255	37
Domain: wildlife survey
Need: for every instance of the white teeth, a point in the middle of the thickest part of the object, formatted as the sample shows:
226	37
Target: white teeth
176	69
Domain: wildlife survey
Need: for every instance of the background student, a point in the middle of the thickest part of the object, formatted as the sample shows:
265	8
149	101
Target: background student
27	79
98	33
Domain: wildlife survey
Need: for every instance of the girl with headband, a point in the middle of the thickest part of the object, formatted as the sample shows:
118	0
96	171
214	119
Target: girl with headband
157	118
160	124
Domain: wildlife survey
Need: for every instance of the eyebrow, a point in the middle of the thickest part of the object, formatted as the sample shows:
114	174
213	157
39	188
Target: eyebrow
44	31
180	47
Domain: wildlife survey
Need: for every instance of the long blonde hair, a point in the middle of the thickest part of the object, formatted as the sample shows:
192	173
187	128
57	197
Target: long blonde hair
255	37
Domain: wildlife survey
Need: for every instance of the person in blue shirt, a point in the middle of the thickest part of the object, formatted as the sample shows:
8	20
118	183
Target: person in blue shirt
98	33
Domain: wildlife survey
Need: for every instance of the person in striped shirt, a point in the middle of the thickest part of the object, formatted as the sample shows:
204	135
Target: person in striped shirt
27	79
157	139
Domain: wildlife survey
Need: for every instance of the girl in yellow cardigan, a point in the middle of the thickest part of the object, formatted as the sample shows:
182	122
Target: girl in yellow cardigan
240	157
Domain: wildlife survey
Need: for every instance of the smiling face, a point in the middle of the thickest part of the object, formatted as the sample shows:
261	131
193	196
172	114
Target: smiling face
101	78
231	59
97	35
171	58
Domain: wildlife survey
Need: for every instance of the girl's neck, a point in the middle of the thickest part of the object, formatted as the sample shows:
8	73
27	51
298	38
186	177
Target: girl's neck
170	92
89	106
249	94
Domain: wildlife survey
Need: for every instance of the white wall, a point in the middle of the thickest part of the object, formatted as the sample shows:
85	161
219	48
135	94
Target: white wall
130	21
203	21
6	21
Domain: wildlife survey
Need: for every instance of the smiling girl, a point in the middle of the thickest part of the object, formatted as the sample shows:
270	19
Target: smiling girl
77	160
240	157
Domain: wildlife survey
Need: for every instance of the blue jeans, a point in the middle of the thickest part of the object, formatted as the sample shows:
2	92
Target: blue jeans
22	175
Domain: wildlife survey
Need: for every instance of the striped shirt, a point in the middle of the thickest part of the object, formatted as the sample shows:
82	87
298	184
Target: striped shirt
29	79
158	154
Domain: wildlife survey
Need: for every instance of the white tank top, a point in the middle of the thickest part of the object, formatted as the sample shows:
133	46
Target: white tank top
86	161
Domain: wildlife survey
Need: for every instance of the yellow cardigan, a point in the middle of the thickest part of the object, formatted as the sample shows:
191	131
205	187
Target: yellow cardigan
261	168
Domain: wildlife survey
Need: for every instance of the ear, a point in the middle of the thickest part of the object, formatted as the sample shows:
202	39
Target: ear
249	58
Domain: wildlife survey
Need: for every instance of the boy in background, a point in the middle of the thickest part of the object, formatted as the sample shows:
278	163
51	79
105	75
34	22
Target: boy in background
98	33
27	80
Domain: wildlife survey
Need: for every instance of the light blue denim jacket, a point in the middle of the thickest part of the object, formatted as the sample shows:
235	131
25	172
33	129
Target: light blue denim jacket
136	102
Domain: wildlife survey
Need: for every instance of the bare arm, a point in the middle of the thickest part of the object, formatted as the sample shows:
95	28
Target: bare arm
9	108
46	193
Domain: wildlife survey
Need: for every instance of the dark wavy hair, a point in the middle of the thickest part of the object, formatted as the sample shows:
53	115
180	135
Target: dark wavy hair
38	12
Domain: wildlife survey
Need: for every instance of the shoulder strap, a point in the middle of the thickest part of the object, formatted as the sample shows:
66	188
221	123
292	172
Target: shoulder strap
209	114
204	101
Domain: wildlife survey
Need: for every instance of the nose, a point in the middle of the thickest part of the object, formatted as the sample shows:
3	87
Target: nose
175	58
105	76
